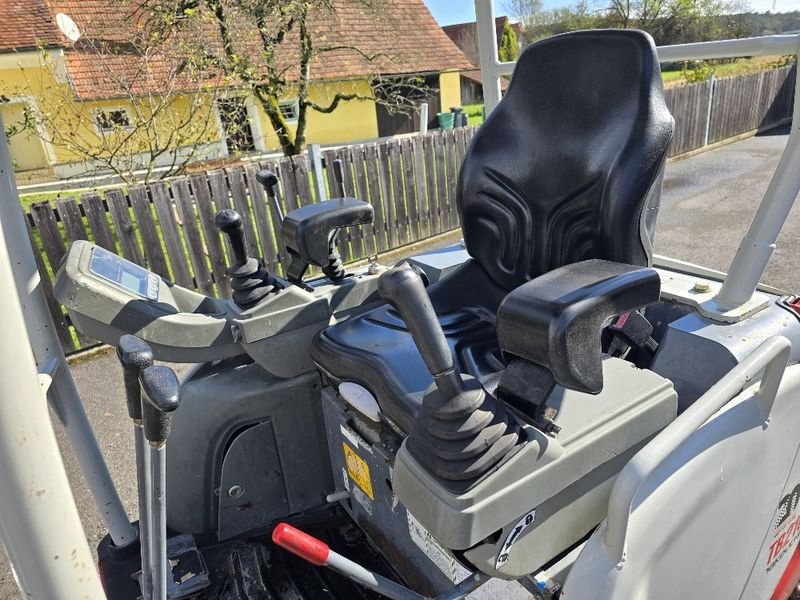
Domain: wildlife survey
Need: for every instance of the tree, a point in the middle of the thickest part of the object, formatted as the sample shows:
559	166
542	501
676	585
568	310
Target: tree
159	111
267	49
509	48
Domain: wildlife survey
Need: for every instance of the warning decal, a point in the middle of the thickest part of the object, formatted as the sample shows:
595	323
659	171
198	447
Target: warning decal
358	470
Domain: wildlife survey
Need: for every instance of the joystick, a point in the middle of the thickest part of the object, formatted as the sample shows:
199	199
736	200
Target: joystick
250	281
269	180
461	433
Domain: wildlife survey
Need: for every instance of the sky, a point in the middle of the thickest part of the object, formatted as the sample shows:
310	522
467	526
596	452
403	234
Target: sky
447	12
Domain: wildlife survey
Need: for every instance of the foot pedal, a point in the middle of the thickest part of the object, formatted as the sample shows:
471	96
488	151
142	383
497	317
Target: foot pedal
189	570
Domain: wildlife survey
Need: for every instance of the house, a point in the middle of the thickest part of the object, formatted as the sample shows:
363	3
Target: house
465	36
88	55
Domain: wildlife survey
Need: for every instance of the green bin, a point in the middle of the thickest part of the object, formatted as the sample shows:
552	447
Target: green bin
446	120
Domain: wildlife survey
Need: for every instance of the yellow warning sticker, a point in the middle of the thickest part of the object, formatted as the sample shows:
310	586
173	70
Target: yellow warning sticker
358	470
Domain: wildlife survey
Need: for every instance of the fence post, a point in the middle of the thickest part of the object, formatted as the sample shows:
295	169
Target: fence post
711	82
315	158
423	118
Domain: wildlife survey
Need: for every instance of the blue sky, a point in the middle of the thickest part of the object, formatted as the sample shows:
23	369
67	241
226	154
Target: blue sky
447	12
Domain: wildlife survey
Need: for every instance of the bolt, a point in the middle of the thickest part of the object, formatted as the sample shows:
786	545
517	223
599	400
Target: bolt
701	287
235	491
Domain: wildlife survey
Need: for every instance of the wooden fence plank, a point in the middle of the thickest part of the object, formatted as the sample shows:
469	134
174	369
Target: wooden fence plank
431	208
376	197
423	214
97	216
353	233
301	179
410	187
398	194
452	168
172	237
286	177
258	198
154	258
211	233
123	223
239	193
45	221
442	207
362	192
71	218
191	233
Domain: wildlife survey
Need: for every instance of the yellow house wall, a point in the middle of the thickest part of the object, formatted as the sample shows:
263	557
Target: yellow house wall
353	120
450	89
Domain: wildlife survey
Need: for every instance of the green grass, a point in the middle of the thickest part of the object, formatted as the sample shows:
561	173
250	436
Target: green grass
474	113
28	199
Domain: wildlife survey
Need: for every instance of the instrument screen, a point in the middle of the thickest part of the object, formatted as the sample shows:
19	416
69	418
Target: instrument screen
123	273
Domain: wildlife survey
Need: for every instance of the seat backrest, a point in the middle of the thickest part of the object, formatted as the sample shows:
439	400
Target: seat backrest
568	166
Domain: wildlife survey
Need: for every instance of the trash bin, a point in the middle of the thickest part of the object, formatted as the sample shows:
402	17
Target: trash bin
459	117
446	120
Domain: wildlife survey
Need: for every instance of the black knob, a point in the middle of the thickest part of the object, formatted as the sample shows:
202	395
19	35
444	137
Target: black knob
403	288
269	180
230	222
338	177
160	397
135	355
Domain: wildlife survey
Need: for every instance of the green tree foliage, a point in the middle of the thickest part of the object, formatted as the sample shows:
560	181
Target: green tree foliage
509	48
668	21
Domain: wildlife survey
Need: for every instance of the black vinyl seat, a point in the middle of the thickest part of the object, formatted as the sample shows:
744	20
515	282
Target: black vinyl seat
568	167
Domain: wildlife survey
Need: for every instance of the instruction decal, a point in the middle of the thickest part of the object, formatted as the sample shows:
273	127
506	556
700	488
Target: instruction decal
785	527
513	535
358	470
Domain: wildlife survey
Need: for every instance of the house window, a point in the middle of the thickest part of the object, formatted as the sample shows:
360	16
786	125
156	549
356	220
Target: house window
289	109
113	119
236	125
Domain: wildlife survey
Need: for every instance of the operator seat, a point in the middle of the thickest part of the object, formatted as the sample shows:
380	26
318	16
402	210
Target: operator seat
568	167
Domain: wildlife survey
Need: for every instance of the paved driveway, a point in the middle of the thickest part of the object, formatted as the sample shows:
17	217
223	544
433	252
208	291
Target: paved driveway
707	204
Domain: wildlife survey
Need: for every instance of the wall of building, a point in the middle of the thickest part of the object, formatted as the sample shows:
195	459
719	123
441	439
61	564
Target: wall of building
450	89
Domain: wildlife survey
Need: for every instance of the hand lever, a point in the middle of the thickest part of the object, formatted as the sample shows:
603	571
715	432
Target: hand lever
135	356
250	281
402	287
161	396
461	433
269	180
230	222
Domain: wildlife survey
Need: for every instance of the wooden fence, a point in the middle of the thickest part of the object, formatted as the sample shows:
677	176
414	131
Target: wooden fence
737	105
168	227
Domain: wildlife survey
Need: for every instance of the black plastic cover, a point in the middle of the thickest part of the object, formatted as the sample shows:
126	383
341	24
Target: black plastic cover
307	230
135	355
160	397
568	166
556	320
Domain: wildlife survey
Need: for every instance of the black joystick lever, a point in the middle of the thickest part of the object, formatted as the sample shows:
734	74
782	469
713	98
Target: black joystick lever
250	281
135	356
461	433
269	180
160	397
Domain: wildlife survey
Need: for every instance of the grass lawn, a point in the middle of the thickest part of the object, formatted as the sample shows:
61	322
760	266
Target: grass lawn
740	66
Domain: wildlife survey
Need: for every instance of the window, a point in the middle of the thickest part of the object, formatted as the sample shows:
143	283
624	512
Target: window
289	109
111	120
236	125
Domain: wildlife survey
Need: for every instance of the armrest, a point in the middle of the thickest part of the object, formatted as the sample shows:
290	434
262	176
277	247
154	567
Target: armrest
309	232
555	321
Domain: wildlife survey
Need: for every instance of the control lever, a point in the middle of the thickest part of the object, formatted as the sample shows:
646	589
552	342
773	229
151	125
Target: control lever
161	396
461	433
136	356
269	180
319	553
250	281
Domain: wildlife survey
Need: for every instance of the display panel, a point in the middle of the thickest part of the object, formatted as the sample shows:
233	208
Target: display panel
123	273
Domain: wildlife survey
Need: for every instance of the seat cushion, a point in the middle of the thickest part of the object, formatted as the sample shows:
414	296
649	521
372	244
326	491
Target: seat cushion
376	350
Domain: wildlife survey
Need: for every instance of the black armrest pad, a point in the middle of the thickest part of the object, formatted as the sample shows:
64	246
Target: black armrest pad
556	320
306	230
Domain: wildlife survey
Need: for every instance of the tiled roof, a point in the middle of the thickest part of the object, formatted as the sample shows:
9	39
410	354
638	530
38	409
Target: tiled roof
25	24
465	35
402	39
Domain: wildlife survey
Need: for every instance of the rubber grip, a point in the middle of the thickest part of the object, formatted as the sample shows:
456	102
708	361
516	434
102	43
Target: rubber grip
300	543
